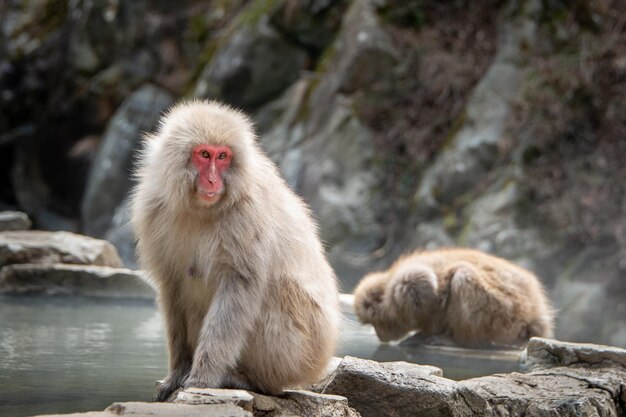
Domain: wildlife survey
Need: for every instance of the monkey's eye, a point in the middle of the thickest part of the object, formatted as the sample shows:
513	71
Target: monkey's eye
205	154
222	155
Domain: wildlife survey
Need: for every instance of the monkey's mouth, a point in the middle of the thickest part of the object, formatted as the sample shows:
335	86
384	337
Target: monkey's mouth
209	196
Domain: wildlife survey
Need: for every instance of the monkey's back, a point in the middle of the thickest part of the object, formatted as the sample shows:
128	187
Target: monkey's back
488	299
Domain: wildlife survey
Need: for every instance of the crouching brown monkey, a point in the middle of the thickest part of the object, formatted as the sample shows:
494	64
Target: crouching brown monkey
463	295
248	296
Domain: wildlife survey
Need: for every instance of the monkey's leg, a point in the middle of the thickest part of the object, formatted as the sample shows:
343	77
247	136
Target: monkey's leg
180	354
236	379
229	320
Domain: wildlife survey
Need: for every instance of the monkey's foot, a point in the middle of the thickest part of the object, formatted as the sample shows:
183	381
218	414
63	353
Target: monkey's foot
237	380
164	391
166	388
200	381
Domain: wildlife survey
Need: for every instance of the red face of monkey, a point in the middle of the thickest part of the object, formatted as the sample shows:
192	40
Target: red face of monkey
211	162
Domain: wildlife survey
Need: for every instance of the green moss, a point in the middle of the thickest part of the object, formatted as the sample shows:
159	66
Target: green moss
199	28
251	15
450	221
404	13
531	154
49	15
463	231
206	56
325	59
458	123
320	70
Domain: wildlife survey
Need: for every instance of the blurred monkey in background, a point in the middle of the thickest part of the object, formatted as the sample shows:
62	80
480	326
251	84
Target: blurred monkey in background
465	296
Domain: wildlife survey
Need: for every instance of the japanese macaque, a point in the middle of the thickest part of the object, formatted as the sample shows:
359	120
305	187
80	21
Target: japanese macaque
462	296
247	294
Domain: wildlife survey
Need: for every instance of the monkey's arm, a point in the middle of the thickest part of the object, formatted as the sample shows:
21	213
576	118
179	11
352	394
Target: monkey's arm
180	354
231	316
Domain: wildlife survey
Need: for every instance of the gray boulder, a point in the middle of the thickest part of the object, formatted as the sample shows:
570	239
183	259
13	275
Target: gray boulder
37	247
63	279
474	148
252	67
549	353
558	392
14	220
110	176
568	379
326	152
310	23
402	389
121	235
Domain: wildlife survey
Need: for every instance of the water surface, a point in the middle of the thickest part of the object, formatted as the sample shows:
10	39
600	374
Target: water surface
70	354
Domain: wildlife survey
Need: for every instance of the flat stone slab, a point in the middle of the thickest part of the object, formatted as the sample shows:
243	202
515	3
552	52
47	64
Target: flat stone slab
141	409
38	247
64	279
14	220
548	353
237	397
289	403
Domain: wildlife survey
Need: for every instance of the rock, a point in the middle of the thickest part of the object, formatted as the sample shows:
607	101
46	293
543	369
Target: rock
370	53
47	182
109	179
237	397
472	151
63	279
234	403
393	389
339	191
14	220
164	409
490	227
401	389
362	54
252	67
289	403
582	309
326	152
121	235
310	23
38	247
567	392
549	353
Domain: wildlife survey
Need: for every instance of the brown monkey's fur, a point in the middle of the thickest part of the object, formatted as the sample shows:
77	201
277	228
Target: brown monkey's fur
248	296
469	297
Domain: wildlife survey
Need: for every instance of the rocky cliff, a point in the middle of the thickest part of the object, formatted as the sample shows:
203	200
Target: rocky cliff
498	125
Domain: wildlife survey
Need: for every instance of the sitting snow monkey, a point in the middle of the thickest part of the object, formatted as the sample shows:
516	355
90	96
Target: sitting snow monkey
248	297
466	296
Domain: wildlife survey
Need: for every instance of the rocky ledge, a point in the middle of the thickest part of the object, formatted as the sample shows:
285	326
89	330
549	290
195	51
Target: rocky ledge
63	263
567	379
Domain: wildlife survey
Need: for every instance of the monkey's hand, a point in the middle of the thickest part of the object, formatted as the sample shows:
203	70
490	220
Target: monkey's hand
171	383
